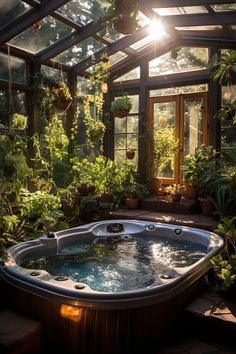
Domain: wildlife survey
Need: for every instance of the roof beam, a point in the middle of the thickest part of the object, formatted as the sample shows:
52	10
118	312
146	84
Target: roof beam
70	40
117	46
28	19
180	3
200	19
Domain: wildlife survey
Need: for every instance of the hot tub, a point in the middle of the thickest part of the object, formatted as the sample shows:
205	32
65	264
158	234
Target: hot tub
119	284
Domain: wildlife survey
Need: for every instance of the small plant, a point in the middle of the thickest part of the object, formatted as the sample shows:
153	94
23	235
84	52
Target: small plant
135	190
19	121
175	189
121	106
225	270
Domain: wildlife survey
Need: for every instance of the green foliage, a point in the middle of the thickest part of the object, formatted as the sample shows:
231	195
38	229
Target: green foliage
135	190
199	163
19	121
89	205
227	228
225	270
164	147
123	103
38	204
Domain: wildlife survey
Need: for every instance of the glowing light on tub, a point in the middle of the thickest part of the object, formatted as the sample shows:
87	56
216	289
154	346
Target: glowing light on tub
72	313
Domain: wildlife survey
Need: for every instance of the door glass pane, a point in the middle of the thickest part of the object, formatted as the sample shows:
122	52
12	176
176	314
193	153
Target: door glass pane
193	124
164	140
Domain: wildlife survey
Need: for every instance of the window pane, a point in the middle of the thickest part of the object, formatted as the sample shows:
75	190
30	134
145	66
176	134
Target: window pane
179	60
10	10
224	7
13	65
9	104
132	124
120	125
178	90
131	75
135	102
54	73
35	40
79	52
168	11
120	141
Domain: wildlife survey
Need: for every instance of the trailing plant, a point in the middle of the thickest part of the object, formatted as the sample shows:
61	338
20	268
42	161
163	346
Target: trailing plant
19	121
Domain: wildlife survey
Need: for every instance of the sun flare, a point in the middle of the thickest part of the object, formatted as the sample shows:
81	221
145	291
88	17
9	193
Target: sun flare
156	30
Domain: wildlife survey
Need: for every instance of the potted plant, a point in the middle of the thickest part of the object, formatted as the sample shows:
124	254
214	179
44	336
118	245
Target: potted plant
105	209
134	192
197	164
88	207
175	192
131	148
62	96
121	106
124	15
19	121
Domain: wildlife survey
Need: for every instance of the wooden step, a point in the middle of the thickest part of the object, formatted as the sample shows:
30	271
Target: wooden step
213	311
19	334
164	204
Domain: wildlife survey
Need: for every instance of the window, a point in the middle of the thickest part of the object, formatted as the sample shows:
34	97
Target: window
126	133
179	60
12	69
131	75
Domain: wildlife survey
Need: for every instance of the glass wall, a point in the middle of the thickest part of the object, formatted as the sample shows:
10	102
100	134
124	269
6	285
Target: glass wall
179	60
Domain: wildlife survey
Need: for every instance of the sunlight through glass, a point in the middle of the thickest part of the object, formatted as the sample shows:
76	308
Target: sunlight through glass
156	30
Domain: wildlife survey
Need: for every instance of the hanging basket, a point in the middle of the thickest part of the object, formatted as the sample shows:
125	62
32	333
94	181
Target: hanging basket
62	106
130	154
121	114
126	24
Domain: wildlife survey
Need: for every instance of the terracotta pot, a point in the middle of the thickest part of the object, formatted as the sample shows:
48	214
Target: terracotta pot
121	114
82	190
106	198
176	197
130	154
131	202
126	24
91	190
62	106
207	206
190	191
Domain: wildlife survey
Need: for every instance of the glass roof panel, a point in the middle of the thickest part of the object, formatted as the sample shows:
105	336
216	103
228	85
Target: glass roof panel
200	28
35	40
79	52
224	7
115	58
83	11
143	20
131	75
110	34
10	10
169	11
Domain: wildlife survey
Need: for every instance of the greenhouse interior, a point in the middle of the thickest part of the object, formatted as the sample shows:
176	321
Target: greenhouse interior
118	176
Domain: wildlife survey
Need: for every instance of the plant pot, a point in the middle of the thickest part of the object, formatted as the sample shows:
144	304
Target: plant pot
106	198
91	190
190	191
125	24
62	106
130	154
121	114
176	198
82	190
131	202
207	206
105	214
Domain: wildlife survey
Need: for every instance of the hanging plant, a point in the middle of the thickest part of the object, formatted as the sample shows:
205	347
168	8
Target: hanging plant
19	121
124	15
121	106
